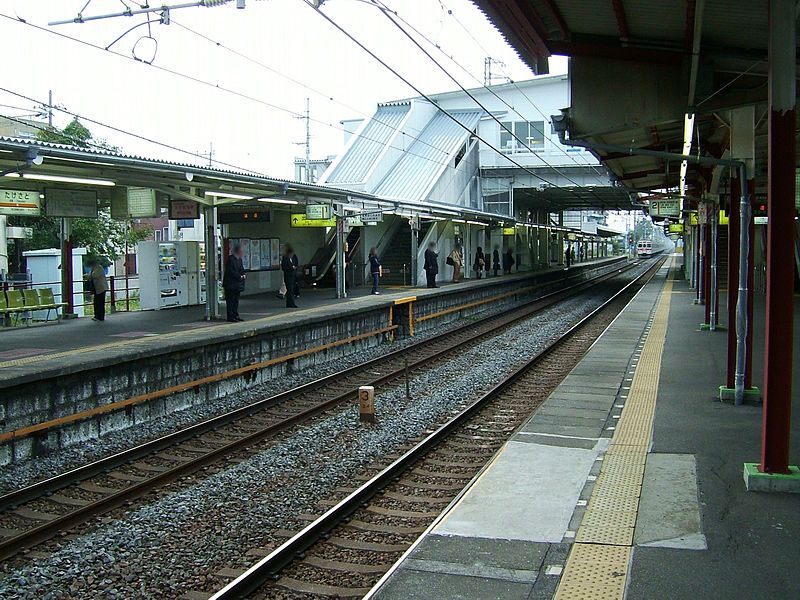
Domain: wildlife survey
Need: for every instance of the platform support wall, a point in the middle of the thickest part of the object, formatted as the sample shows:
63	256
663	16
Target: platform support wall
733	277
780	238
212	276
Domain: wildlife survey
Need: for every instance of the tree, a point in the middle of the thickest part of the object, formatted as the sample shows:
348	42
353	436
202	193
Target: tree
74	134
103	236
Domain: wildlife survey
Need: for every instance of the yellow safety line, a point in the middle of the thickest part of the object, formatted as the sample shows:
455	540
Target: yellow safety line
599	561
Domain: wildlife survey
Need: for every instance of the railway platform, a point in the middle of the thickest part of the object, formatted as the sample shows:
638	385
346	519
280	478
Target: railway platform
627	482
78	379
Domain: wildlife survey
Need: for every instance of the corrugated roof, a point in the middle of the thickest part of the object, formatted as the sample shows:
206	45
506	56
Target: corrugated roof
368	145
428	155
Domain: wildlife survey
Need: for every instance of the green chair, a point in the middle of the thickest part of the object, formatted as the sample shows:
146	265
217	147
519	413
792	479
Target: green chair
16	306
48	302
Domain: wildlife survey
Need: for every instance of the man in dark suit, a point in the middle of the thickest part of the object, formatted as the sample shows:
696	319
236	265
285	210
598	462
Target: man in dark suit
289	268
431	265
233	283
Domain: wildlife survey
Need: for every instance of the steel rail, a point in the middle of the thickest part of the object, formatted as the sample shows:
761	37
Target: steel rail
268	568
50	529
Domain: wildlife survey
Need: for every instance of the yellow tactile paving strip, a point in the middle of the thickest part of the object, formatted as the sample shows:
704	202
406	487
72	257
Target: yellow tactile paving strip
598	564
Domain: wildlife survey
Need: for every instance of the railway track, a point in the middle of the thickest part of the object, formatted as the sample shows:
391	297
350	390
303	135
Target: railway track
43	510
346	550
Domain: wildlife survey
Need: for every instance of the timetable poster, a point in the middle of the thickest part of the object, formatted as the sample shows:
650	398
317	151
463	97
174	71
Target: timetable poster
275	251
255	255
266	254
244	243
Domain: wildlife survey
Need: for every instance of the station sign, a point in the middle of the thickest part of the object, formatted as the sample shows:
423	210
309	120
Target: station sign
242	215
20	202
316	212
375	216
70	203
509	231
760	220
301	220
676	227
665	208
184	210
724	219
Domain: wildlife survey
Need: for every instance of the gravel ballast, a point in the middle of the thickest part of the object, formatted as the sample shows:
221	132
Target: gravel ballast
177	543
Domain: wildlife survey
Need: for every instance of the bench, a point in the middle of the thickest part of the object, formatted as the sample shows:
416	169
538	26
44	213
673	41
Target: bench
13	303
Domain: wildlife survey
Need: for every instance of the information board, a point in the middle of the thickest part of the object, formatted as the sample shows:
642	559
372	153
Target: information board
255	255
665	208
142	202
70	203
20	202
244	243
183	210
275	252
300	220
316	212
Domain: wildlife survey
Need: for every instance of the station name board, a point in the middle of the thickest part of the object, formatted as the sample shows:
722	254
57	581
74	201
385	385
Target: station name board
20	202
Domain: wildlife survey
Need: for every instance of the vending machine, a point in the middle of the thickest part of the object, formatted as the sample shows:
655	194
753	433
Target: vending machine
169	274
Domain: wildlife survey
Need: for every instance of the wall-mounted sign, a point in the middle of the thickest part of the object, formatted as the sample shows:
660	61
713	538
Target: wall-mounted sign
316	212
509	231
375	216
676	227
70	203
242	215
184	209
760	220
300	220
665	208
724	219
142	202
20	202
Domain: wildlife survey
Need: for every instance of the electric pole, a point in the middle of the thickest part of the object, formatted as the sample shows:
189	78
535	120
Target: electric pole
307	143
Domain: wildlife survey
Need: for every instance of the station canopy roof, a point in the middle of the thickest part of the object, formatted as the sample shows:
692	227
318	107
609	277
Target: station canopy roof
638	67
34	165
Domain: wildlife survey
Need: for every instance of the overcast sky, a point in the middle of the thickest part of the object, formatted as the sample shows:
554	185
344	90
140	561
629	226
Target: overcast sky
286	36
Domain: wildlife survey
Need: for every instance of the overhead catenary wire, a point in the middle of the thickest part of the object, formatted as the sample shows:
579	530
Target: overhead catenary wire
208	84
388	14
489	88
423	94
514	83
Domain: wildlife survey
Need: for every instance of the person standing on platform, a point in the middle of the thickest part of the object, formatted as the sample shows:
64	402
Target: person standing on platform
496	260
431	265
571	254
289	267
98	283
375	269
479	263
508	261
296	263
233	283
456	261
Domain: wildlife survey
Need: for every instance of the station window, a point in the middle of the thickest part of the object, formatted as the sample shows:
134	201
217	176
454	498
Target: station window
528	135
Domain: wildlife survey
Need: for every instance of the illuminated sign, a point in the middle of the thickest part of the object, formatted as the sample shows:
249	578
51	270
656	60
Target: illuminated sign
300	220
665	208
509	231
20	202
242	215
316	212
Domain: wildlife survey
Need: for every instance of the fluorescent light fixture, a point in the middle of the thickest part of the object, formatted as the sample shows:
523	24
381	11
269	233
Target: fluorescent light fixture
477	223
60	179
83	162
229	195
458	221
278	201
432	218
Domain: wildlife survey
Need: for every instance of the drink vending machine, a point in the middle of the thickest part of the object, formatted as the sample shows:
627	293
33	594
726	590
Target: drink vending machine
171	274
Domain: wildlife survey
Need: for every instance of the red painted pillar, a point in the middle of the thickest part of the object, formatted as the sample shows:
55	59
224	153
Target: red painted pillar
733	278
780	238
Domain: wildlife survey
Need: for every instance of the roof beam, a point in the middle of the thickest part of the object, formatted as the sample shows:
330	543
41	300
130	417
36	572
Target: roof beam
555	14
622	20
614	51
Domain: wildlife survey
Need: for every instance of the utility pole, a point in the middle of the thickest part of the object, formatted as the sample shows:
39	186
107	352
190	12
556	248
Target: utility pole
487	71
50	108
307	143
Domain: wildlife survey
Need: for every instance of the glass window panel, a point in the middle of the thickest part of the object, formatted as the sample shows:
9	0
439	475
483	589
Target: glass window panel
506	141
536	135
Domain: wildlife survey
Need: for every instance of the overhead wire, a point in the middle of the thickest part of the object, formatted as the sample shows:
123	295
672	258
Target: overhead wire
516	86
214	86
422	94
388	15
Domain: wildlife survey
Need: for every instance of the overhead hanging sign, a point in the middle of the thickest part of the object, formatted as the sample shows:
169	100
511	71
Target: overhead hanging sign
70	203
301	220
676	227
315	212
20	202
184	209
142	202
509	231
665	208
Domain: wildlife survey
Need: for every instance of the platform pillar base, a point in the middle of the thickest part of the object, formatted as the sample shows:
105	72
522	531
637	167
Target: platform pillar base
698	301
756	481
707	327
726	393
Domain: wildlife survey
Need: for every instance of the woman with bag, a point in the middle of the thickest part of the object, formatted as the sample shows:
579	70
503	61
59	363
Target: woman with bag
456	261
97	285
479	262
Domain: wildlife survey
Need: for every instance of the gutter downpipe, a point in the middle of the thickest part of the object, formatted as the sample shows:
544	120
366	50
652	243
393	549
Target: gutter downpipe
744	239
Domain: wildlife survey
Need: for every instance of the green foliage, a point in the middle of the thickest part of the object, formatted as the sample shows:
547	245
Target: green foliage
74	134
